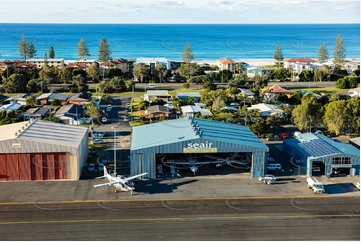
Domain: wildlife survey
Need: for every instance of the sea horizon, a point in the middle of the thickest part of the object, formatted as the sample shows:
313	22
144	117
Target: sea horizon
164	40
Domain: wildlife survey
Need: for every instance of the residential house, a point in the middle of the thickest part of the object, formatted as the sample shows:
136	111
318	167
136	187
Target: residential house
252	71
36	113
278	90
23	66
247	92
77	66
80	98
19	99
157	111
52	62
266	109
11	107
47	98
70	114
352	65
121	64
226	64
157	94
298	65
193	110
87	62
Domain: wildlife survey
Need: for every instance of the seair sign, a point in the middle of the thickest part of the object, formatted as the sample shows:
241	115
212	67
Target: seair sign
200	148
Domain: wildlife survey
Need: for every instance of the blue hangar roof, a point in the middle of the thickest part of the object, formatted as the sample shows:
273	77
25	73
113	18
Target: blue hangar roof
184	129
312	145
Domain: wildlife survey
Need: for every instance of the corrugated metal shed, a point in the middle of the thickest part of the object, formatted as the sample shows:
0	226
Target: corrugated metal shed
172	137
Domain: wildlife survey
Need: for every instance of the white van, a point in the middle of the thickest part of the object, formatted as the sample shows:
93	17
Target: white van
151	85
274	167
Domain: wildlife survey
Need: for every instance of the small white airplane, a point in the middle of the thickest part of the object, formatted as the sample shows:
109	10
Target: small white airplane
119	182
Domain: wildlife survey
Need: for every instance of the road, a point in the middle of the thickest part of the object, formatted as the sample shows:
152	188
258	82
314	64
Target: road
297	218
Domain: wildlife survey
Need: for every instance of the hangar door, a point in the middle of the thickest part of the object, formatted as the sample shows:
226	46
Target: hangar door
32	166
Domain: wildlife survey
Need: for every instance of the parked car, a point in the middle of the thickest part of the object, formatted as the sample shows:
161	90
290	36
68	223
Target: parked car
267	179
126	118
284	136
109	108
98	141
104	119
274	167
151	85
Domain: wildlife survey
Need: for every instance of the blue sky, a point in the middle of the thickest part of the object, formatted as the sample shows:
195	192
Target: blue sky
179	11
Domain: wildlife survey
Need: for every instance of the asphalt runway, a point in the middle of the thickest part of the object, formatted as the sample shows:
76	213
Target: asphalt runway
288	218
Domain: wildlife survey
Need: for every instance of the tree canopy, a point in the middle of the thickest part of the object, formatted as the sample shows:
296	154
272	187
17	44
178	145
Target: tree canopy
104	51
83	50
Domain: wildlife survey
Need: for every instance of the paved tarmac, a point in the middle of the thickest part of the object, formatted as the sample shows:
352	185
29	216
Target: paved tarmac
315	218
213	186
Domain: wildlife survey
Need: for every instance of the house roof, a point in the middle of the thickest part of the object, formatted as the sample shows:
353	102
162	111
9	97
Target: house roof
41	60
303	60
44	132
226	61
157	109
196	109
179	130
188	94
77	65
157	93
52	96
81	95
11	107
24	65
71	109
278	89
246	91
264	107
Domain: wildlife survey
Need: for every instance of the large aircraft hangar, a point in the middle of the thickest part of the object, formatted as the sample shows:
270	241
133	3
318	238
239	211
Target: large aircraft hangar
194	144
40	150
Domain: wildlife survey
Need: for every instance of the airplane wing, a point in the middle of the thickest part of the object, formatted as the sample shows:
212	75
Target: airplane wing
109	183
134	177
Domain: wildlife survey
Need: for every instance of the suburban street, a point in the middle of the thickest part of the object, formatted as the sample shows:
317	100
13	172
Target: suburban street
328	218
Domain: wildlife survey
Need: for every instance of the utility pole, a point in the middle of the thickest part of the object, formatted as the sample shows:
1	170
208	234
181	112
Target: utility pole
115	150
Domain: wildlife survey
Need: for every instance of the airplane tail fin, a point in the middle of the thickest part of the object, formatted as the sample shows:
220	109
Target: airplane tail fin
105	173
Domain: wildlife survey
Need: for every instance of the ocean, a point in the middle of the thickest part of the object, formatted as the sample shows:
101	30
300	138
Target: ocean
209	41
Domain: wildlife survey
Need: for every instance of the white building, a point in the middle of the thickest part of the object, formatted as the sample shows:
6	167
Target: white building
192	110
157	94
253	71
266	109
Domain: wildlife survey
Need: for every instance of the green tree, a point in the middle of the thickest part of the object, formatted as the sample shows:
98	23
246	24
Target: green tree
322	74
278	55
26	49
83	50
160	71
93	72
141	71
188	70
51	52
306	75
342	83
322	53
281	74
65	74
334	117
16	83
143	104
79	84
187	58
23	47
339	53
31	49
93	111
309	113
104	51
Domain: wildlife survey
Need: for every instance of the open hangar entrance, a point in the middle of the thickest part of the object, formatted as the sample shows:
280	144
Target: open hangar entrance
190	164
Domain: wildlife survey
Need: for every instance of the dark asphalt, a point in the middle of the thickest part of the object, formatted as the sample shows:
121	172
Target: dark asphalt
328	218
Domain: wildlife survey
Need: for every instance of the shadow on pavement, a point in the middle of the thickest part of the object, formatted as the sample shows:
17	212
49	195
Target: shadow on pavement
340	188
155	187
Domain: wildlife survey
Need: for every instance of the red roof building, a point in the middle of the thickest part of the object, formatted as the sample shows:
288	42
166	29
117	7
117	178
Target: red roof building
276	89
301	60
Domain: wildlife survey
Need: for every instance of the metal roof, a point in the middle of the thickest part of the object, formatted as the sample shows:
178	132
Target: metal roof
178	130
312	145
44	132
